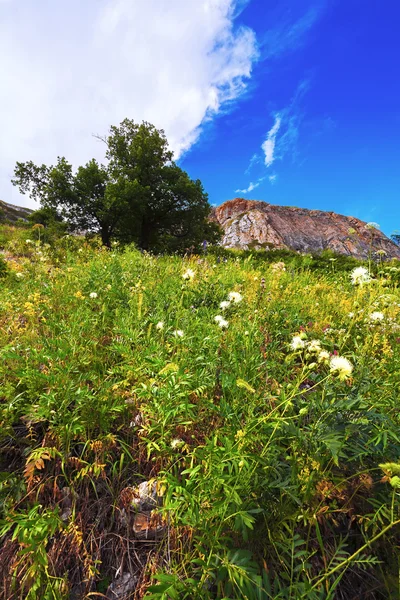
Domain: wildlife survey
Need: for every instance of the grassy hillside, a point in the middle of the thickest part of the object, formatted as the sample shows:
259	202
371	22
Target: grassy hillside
273	465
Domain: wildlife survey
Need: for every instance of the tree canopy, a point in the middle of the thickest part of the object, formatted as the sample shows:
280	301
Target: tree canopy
140	194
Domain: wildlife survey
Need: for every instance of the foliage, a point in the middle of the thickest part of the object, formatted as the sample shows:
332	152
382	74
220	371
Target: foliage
141	195
280	478
3	267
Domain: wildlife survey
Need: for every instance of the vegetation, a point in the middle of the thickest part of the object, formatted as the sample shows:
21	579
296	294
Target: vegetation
139	196
271	432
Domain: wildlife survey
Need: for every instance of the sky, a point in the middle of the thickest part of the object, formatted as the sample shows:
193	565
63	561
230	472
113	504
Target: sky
295	102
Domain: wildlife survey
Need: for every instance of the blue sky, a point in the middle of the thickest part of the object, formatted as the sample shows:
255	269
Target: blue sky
334	79
292	102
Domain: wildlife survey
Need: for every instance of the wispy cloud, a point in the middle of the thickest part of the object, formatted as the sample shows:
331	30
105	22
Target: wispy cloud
252	186
282	138
289	32
287	35
268	146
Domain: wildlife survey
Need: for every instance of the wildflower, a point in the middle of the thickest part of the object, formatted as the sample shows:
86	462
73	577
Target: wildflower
224	304
314	346
178	333
351	315
323	356
28	241
376	316
278	266
341	367
246	333
221	322
93	295
160	325
189	274
19	275
235	297
79	295
297	343
80	249
176	443
360	275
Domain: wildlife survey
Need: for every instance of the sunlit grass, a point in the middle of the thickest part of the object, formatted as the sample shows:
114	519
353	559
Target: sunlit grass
267	448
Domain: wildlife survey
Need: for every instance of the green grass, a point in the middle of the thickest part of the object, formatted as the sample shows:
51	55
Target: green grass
268	462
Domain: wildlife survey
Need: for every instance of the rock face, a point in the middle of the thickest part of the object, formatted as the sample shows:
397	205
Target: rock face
253	224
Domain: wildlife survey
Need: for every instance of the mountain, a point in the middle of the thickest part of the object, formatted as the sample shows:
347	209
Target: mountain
255	224
10	212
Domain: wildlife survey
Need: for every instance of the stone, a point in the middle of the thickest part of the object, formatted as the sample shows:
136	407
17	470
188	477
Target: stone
146	496
149	526
258	225
121	587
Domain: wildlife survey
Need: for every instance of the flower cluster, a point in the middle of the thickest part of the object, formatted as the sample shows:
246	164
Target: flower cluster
360	275
338	365
188	274
221	322
341	366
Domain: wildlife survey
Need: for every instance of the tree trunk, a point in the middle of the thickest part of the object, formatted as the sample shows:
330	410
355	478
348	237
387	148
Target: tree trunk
145	235
105	233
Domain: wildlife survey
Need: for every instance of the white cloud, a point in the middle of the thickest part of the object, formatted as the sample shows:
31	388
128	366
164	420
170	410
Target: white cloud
273	178
269	145
252	186
70	69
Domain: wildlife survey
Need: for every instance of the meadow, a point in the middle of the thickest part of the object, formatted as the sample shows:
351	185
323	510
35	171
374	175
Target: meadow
254	399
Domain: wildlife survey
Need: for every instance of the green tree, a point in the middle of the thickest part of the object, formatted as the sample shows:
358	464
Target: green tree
78	198
141	195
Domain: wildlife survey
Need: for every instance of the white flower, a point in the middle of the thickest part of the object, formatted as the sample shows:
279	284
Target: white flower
178	333
189	274
376	316
224	304
351	315
80	249
19	275
221	321
314	346
323	356
360	275
297	343
160	325
235	297
93	295
341	366
246	333
28	241
176	443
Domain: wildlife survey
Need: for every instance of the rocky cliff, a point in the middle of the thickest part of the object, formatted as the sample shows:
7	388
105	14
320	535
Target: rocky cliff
254	224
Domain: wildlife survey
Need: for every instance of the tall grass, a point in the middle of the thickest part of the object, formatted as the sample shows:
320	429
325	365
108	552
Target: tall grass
279	476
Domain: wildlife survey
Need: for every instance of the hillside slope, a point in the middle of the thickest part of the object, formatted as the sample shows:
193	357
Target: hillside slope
11	212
